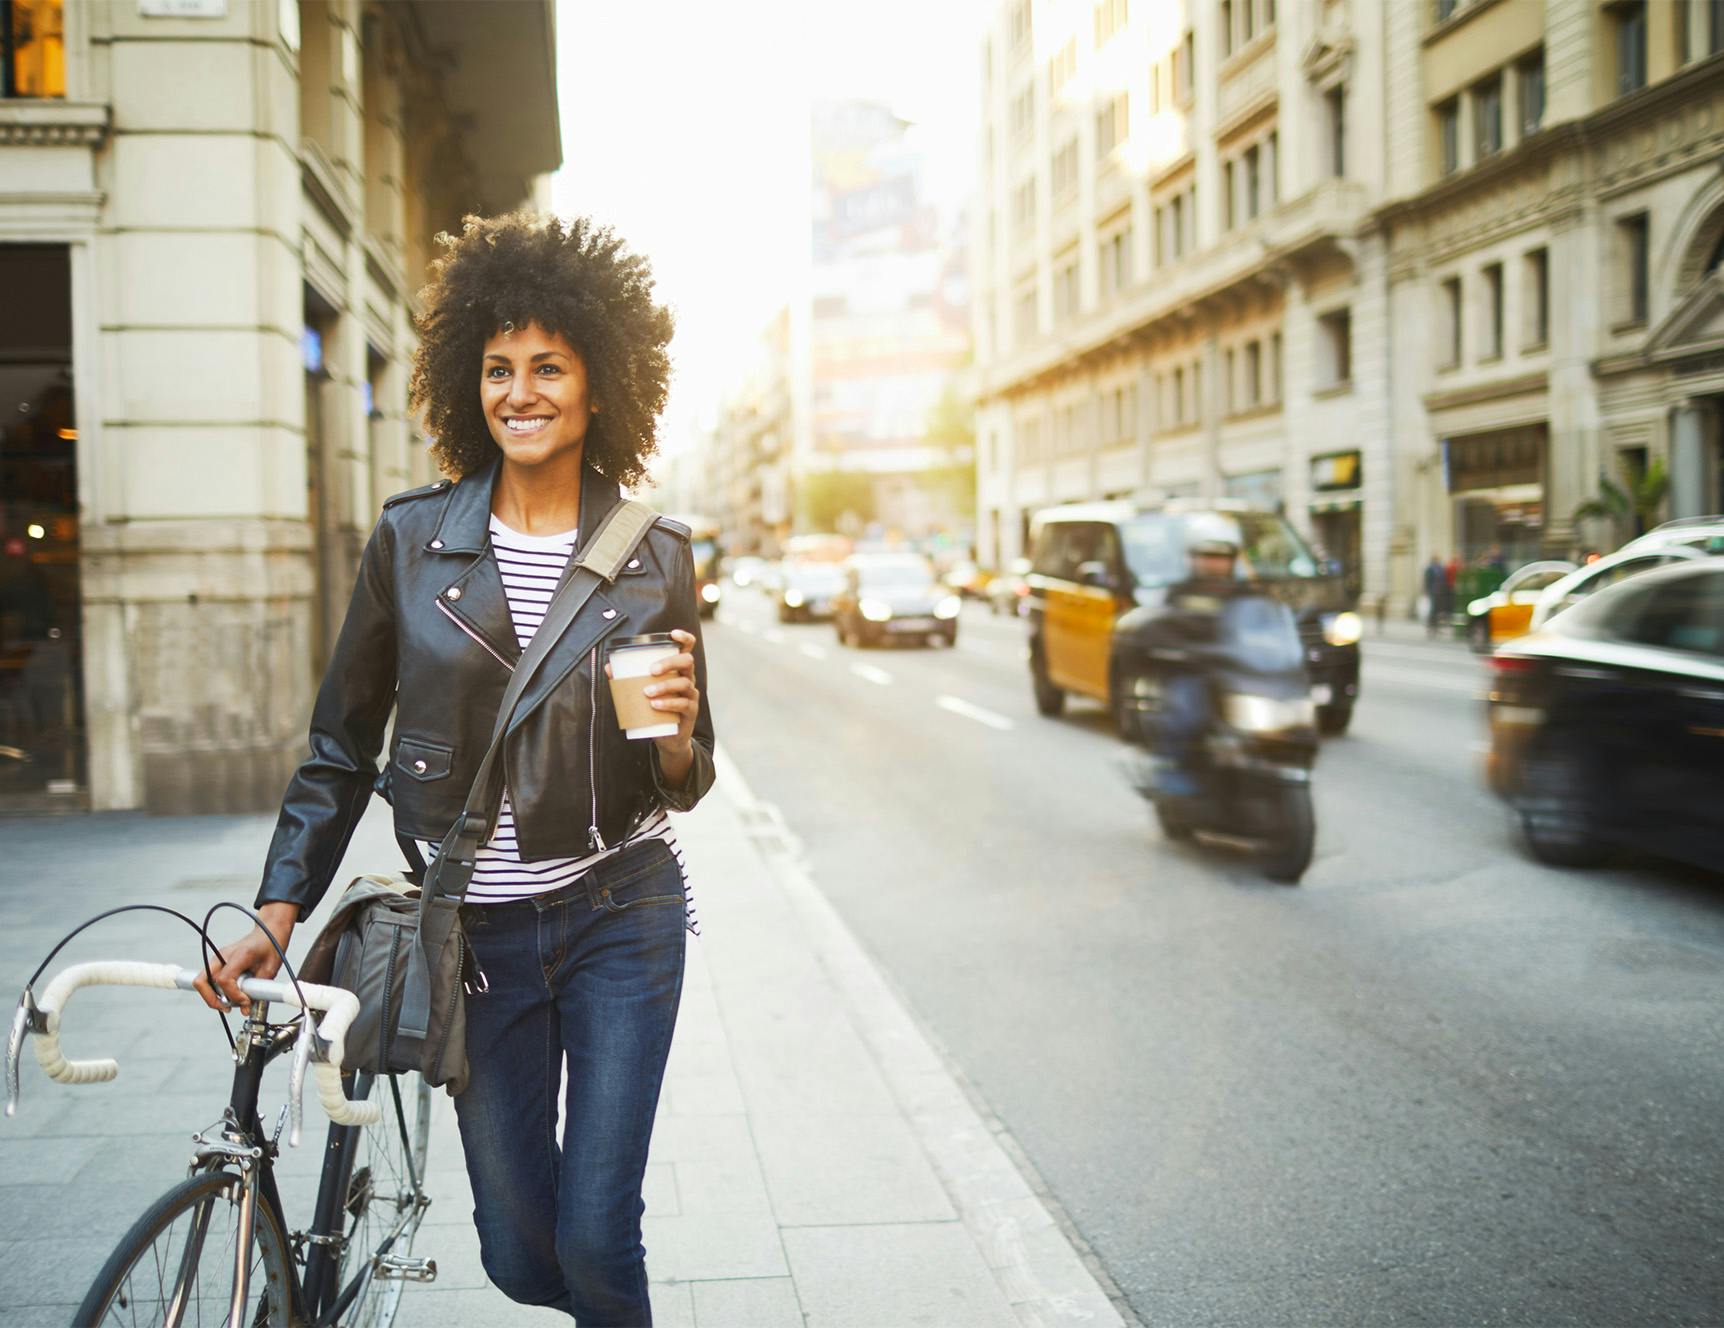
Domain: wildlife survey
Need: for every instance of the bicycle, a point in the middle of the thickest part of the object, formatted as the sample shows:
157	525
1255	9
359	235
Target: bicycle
216	1247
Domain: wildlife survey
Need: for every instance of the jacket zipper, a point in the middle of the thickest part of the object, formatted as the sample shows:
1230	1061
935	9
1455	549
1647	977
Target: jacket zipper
592	752
470	632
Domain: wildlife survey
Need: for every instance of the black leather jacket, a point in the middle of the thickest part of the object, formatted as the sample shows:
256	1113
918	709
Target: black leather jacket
428	633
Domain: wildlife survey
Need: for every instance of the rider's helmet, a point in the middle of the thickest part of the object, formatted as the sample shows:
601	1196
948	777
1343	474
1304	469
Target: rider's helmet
1208	534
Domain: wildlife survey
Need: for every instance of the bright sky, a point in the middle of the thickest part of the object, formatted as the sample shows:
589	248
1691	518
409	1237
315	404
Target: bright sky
685	126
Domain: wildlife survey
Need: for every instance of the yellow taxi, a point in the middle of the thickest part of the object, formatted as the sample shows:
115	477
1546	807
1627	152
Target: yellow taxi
1506	612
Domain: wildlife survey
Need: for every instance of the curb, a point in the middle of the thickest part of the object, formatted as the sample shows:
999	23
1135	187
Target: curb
1043	1265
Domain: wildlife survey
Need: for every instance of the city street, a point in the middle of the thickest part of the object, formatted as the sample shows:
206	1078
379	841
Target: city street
1436	1083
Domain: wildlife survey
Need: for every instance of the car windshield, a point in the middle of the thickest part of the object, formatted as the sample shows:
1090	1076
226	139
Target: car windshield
1534	579
812	576
893	575
1155	546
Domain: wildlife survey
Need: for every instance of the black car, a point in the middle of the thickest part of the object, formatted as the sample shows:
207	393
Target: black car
894	597
1607	726
807	589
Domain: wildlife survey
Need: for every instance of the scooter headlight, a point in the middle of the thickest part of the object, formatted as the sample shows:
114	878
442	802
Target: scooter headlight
1267	714
1343	629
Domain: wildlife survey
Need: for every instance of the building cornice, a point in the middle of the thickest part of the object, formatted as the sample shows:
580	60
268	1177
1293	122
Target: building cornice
1499	390
53	123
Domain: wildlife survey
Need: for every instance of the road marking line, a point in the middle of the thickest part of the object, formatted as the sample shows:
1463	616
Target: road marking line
872	674
812	651
773	635
975	712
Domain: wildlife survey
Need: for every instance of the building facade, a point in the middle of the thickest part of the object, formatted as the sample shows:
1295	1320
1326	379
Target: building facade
215	217
1415	272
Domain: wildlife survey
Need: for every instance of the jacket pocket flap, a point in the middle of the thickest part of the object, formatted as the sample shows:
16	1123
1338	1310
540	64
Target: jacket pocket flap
423	761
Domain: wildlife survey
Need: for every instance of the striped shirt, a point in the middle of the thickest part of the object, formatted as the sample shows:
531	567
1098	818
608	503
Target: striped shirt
531	566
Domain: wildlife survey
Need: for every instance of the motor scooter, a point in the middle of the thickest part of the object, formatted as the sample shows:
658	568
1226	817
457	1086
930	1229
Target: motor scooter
1251	769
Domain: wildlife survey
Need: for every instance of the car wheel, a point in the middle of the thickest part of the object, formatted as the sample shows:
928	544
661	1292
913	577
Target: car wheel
1479	633
1050	700
1555	810
1174	827
1287	852
1333	720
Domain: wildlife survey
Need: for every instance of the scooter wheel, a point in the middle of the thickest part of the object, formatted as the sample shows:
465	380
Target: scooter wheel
1173	825
1288	848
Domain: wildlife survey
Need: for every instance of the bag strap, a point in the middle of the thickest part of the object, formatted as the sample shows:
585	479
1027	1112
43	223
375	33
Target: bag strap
451	872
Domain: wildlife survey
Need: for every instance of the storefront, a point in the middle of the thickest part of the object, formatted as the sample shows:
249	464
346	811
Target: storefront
1496	487
42	740
1337	501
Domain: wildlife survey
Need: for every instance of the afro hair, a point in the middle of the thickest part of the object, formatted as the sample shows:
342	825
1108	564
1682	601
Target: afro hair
574	279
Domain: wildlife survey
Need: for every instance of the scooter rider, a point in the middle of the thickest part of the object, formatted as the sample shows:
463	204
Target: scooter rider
1185	634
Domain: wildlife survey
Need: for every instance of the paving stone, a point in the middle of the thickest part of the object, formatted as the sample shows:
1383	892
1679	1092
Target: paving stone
823	1170
767	1302
918	1274
697	1246
717	1185
659	1191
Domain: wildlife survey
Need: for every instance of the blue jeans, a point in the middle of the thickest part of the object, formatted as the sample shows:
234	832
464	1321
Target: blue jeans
591	973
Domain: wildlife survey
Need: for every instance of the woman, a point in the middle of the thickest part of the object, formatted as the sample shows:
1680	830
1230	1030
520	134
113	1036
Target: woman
541	371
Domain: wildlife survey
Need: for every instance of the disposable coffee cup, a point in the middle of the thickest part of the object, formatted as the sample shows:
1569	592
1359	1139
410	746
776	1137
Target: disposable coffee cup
631	659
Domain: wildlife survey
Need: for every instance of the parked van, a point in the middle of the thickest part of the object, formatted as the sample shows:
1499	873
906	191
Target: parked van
1100	570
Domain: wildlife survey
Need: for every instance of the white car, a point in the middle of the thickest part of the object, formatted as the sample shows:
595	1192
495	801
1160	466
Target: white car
1607	571
1705	533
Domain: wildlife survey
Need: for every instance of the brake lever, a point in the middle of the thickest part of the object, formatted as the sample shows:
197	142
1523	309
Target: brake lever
27	1019
296	1075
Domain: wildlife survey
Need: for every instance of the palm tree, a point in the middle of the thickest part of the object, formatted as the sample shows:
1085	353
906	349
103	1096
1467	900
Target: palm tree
1635	502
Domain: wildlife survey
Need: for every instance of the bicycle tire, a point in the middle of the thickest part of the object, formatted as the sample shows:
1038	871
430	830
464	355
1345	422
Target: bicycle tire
270	1288
374	1206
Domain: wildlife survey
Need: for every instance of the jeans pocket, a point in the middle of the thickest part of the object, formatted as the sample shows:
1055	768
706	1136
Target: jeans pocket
645	878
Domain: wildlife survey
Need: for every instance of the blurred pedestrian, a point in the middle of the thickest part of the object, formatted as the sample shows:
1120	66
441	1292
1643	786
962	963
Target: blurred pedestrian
541	370
1437	595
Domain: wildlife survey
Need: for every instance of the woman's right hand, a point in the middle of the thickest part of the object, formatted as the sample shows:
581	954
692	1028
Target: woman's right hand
251	955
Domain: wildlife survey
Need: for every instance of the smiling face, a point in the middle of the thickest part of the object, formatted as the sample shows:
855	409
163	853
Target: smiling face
533	385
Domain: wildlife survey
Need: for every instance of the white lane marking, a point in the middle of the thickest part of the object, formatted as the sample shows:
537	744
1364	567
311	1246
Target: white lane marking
773	635
812	651
975	712
872	674
1442	682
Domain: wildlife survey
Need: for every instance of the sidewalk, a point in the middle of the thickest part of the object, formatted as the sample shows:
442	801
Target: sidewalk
814	1160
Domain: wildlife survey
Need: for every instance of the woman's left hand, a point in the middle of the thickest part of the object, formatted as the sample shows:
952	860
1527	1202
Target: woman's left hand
673	691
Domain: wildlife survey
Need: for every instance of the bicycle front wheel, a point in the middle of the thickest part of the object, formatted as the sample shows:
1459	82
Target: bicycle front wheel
385	1197
178	1262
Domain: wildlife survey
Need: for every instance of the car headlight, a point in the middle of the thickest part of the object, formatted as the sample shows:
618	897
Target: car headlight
948	607
875	610
1267	714
709	592
793	599
1343	629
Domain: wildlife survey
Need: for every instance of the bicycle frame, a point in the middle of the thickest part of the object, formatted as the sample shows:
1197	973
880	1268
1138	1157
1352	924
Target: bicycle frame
315	1295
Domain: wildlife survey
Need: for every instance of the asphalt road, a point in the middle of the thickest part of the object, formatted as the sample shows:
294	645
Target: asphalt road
1434	1084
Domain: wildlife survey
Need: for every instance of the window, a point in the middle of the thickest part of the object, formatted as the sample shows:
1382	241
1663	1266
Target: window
1247	20
1487	117
1336	101
1335	336
1530	73
1686	613
1273	170
1024	209
1063	172
1158	234
1155	88
1253	180
1111	124
1714	27
1229	399
1630	23
1537	298
1110	17
1253	374
1449	135
1184	62
1446	9
1493	347
1024	316
1176	227
1116	262
1635	257
1020	24
1061	68
1227	27
1230	196
1452	320
1024	112
33	48
1275	366
1066	291
1178	412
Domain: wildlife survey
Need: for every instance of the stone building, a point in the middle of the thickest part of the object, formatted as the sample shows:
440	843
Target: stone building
1414	271
214	219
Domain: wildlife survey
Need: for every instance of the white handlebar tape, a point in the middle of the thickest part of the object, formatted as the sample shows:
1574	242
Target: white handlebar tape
341	1007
